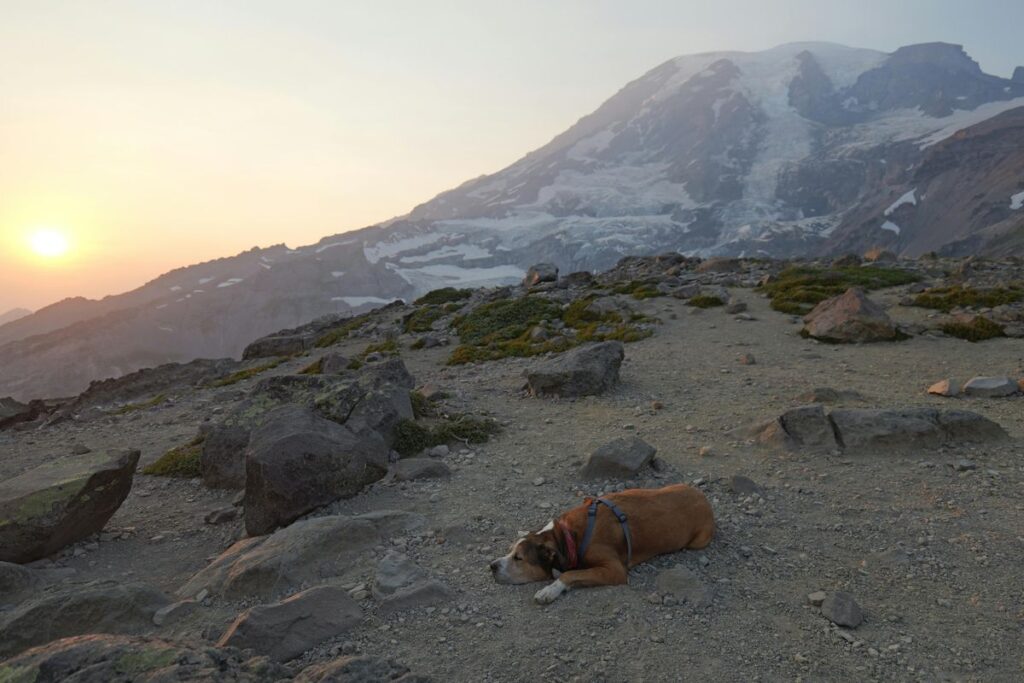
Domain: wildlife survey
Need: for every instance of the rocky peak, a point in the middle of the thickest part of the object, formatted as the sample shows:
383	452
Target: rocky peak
941	55
1018	75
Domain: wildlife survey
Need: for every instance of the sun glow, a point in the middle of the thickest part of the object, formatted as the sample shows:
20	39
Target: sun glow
48	243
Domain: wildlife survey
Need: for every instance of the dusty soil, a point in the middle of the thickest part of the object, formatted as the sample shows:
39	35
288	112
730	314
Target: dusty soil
932	554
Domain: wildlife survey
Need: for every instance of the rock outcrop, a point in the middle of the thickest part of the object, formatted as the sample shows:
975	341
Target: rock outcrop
583	371
61	502
849	318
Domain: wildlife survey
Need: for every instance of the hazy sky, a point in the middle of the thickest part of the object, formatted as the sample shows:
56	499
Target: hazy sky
163	133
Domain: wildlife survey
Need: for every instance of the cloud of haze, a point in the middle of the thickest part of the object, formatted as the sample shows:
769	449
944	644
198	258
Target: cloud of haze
159	134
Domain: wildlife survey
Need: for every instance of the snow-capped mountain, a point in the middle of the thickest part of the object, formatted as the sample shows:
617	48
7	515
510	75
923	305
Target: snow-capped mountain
807	148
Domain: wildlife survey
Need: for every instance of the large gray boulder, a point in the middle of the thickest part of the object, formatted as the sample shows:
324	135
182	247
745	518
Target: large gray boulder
805	427
222	461
278	345
16	581
583	371
623	457
103	658
96	607
850	317
308	551
286	629
372	402
298	461
61	502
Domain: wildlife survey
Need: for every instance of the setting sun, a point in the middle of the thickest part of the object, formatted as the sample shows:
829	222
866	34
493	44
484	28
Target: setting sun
48	243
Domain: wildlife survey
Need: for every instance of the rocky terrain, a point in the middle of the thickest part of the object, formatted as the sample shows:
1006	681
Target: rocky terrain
326	508
806	149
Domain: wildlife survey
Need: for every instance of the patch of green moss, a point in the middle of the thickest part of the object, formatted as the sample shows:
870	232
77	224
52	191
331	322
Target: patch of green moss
639	289
418	344
18	674
388	347
241	375
978	329
147	660
515	340
421	319
444	295
947	298
421	406
799	288
412	437
341	332
182	461
705	301
505	320
142	405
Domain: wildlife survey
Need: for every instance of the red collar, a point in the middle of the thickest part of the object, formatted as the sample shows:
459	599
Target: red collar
570	545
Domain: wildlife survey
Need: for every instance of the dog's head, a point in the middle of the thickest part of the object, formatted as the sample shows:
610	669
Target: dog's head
532	558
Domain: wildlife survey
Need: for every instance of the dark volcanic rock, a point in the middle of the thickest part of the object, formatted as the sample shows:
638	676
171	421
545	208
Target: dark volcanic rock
911	428
286	629
222	461
61	502
99	606
841	609
541	272
583	371
849	318
620	458
298	461
274	345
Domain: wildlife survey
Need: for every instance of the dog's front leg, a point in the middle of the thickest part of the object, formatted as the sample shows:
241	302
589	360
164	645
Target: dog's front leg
611	574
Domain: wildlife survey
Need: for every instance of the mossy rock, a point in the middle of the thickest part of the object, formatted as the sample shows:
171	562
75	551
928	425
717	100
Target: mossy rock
976	330
705	301
181	461
798	289
445	295
413	436
947	298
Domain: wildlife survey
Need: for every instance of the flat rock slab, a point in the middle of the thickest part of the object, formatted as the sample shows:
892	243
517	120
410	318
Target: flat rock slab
98	606
945	387
420	594
850	317
584	371
307	551
991	387
61	502
875	430
286	629
619	458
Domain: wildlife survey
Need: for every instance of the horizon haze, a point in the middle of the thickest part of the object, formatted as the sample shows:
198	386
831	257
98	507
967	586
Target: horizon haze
152	137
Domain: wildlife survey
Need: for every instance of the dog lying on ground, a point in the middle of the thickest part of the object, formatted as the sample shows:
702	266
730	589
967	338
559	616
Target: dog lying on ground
596	543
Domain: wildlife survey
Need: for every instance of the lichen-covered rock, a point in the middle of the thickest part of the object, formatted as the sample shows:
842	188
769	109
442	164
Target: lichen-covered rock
306	551
583	371
850	317
61	502
98	606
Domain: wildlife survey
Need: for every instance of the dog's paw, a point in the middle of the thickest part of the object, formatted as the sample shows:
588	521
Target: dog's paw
549	593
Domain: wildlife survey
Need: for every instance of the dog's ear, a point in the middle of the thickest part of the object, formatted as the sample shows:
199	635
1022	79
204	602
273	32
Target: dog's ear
550	555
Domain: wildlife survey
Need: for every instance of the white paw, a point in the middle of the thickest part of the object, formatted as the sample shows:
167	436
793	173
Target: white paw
549	593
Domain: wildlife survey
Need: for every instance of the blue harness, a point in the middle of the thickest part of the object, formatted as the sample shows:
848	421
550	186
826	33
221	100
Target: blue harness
592	520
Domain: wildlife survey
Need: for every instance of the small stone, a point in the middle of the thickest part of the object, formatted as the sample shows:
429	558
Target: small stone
841	609
991	387
946	387
748	359
706	451
816	598
539	481
965	465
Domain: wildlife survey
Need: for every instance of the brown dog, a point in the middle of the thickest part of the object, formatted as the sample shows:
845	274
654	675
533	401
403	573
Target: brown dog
658	521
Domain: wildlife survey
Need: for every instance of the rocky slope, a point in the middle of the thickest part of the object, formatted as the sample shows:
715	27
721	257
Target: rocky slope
808	148
886	555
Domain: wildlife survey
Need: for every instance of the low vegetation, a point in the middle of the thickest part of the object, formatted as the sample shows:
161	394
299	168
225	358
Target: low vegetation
445	295
705	301
506	328
799	288
422	318
182	461
976	330
639	289
142	405
947	298
388	347
241	375
412	436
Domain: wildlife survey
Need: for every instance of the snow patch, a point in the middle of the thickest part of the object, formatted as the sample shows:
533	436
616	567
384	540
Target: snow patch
468	252
891	227
265	265
376	252
204	280
230	283
337	273
325	247
1017	201
176	288
435	276
908	198
356	301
